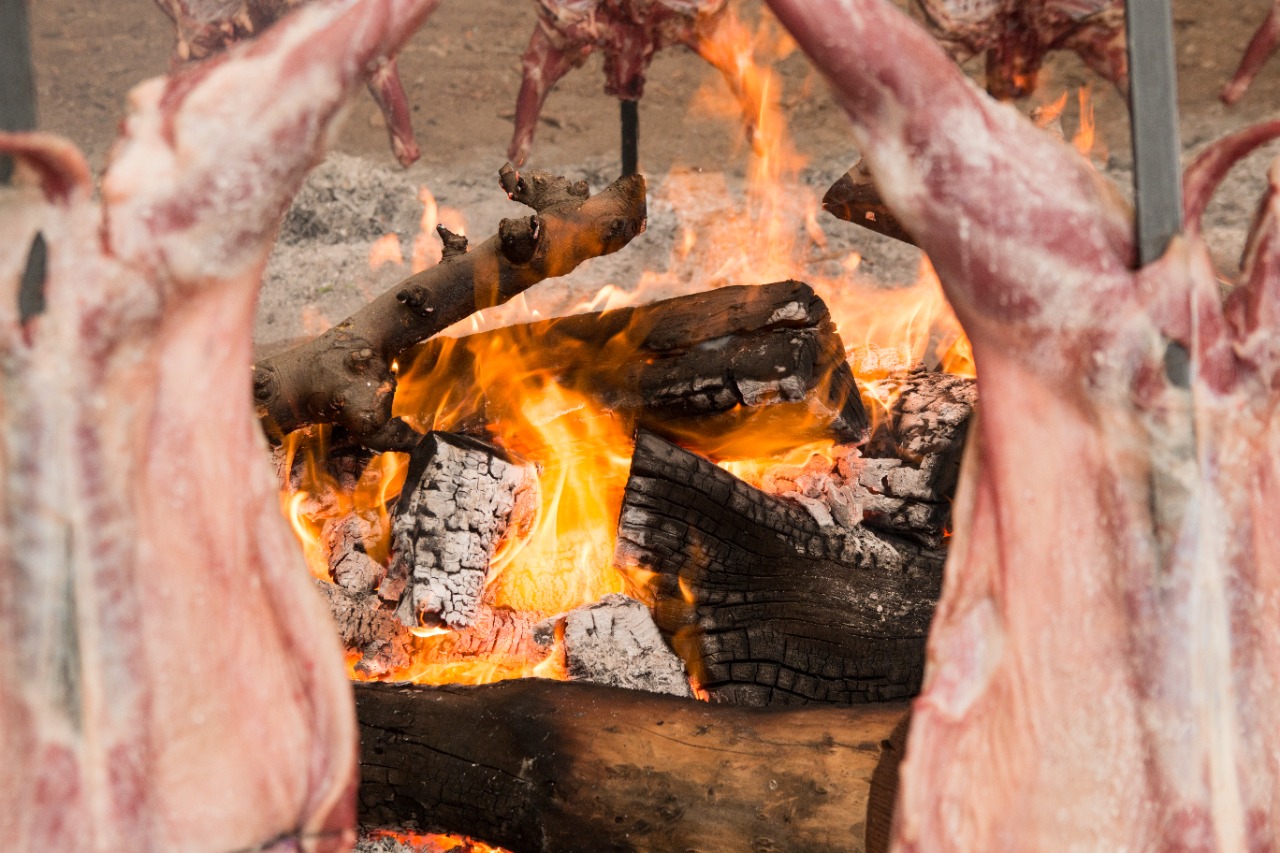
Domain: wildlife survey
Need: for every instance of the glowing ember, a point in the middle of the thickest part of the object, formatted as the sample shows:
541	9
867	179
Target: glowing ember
432	843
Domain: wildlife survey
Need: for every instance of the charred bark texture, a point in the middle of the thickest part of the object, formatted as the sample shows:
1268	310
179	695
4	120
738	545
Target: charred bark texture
614	641
698	365
459	498
854	198
772	602
344	376
368	628
545	767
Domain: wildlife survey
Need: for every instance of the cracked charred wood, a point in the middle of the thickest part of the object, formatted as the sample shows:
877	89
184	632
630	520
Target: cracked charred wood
460	497
345	377
767	602
545	767
699	365
854	198
614	641
368	628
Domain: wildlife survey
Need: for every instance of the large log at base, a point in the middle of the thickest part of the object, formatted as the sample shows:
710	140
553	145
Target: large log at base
546	767
700	365
765	604
345	376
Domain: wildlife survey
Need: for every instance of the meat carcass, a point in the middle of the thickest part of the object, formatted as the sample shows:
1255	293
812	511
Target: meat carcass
169	679
1016	35
1260	48
207	27
629	33
1104	664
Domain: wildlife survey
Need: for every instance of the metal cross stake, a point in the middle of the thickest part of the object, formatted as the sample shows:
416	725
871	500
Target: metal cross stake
630	114
1157	170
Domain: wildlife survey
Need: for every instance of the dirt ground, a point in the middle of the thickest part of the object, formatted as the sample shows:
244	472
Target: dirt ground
462	71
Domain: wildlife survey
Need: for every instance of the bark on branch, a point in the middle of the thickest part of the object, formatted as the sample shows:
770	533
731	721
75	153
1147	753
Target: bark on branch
547	767
344	376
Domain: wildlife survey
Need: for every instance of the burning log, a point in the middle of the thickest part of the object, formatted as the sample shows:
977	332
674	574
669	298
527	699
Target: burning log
460	497
345	375
545	767
766	603
368	628
700	365
854	198
615	641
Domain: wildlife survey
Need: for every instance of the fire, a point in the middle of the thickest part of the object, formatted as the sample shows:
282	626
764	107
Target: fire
433	843
769	231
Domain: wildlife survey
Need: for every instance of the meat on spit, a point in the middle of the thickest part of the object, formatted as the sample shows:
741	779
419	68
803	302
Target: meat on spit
1260	48
207	27
628	33
1104	661
1016	36
168	677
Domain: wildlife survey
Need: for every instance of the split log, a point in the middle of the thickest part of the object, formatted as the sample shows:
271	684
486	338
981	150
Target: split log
545	767
854	198
368	628
767	604
700	365
345	377
459	498
614	641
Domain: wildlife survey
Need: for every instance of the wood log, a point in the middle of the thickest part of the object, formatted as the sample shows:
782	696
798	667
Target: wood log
854	198
368	628
345	376
765	603
546	767
699	366
459	498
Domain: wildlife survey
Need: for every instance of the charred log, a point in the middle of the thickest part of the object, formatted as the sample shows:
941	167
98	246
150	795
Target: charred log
368	628
345	376
854	198
614	641
544	767
459	498
766	602
704	363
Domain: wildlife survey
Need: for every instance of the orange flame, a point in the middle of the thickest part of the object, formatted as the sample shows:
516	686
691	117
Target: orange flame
434	843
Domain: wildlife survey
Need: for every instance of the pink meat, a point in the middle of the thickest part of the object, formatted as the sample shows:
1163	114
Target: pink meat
1016	35
628	33
1104	664
207	27
169	679
1260	48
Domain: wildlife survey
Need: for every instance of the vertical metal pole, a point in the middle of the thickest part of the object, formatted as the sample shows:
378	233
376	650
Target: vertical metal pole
17	82
1153	105
630	113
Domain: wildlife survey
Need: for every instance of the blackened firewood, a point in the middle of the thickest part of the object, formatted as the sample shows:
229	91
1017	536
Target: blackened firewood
766	604
854	198
369	628
345	376
615	641
699	365
459	497
546	767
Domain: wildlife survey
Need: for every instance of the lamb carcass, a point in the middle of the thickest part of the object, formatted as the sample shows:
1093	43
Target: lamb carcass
629	33
207	27
1260	48
169	679
1016	36
1104	663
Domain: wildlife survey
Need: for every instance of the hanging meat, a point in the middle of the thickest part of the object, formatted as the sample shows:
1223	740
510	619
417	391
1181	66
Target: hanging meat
1260	48
207	27
1016	36
1103	664
628	33
168	677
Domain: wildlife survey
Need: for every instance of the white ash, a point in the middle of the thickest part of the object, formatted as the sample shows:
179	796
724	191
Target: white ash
614	641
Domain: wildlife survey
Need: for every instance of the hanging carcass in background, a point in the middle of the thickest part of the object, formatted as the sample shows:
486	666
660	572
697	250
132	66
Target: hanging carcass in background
1260	48
1102	665
168	678
1016	36
628	33
207	27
